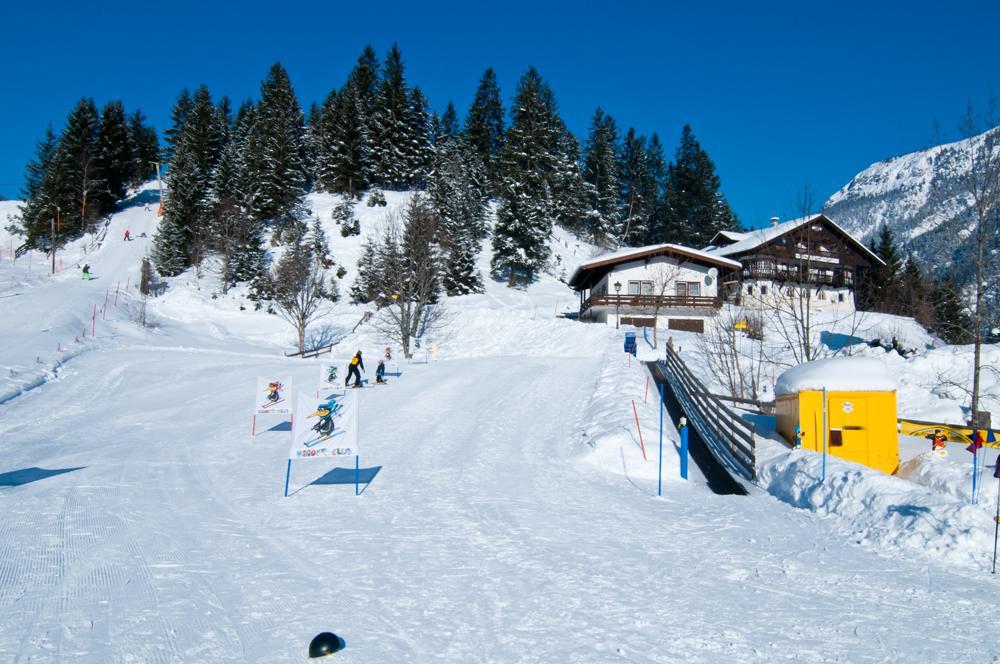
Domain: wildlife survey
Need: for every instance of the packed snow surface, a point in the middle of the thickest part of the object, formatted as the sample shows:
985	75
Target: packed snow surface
508	513
843	374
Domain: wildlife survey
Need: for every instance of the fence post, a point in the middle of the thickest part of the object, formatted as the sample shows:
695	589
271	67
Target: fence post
684	448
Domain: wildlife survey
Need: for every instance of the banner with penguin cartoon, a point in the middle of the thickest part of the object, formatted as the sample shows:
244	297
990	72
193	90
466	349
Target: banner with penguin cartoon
330	377
273	397
325	426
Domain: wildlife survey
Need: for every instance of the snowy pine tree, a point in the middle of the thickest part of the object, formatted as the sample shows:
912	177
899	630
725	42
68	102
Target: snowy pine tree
278	189
145	148
534	188
178	118
520	237
113	160
694	207
365	287
652	187
484	124
392	129
420	152
458	193
600	172
638	197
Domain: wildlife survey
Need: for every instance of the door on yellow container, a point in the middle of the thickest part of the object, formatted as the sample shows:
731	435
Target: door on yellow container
848	428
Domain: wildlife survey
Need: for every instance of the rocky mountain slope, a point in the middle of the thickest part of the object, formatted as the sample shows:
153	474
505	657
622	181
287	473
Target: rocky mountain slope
923	198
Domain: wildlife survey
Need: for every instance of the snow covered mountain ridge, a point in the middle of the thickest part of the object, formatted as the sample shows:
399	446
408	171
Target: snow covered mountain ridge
922	199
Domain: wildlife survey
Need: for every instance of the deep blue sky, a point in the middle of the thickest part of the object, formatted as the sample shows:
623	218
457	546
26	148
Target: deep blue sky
780	94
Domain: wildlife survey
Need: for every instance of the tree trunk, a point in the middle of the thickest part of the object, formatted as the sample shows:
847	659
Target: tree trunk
978	333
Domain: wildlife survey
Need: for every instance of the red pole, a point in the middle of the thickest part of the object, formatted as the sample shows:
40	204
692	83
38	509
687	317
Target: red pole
127	282
647	389
116	292
104	309
93	323
639	429
253	430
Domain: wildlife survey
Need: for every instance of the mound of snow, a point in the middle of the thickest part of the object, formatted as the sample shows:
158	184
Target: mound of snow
925	513
836	374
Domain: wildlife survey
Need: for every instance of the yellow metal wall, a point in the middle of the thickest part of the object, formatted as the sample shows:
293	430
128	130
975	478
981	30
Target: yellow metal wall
866	421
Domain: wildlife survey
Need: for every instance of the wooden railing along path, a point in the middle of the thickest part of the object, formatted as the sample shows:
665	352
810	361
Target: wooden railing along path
731	439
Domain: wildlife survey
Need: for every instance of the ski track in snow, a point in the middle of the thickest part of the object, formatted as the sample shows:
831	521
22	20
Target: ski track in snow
482	538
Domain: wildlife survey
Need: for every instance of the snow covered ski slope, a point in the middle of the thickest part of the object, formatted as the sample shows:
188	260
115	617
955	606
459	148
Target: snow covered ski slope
482	537
508	514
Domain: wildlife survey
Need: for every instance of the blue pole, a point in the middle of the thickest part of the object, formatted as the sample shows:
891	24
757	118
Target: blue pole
974	457
288	474
357	474
824	436
684	450
659	479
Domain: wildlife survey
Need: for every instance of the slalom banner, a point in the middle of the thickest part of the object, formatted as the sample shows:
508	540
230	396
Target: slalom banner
329	377
326	427
273	396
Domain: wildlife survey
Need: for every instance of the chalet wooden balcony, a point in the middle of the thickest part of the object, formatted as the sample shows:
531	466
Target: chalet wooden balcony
838	279
649	302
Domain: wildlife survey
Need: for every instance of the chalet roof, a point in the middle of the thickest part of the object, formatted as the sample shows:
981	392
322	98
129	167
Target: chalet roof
589	273
723	238
757	238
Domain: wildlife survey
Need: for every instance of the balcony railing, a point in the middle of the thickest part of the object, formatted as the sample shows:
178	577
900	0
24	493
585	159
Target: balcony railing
837	279
651	301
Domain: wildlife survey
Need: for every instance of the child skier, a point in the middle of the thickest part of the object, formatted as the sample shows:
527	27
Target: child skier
353	370
388	352
127	238
86	272
380	372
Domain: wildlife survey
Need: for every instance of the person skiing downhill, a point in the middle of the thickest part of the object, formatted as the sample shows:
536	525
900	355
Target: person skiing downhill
353	367
86	271
127	237
380	372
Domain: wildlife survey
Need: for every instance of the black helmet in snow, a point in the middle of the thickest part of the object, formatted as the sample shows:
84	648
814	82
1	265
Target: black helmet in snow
325	644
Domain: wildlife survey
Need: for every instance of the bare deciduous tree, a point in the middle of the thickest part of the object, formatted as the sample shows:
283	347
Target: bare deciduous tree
981	182
733	354
406	277
301	291
664	283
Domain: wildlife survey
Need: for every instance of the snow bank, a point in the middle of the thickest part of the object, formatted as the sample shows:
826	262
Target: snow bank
895	515
836	374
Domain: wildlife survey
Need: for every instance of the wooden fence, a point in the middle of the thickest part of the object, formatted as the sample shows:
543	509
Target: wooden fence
731	439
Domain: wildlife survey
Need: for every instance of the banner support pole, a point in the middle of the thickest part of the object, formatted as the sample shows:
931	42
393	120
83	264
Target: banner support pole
288	475
357	473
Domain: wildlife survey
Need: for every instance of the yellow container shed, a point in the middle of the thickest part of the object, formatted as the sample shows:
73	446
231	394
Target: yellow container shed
860	410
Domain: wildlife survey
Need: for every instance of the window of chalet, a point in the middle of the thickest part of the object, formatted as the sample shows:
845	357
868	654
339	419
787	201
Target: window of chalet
640	288
763	290
820	294
749	290
685	288
840	297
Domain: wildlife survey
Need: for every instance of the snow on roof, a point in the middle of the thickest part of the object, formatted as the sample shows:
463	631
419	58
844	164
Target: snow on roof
622	254
841	374
753	239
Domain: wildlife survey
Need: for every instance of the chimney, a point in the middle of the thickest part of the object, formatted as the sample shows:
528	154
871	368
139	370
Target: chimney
774	222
